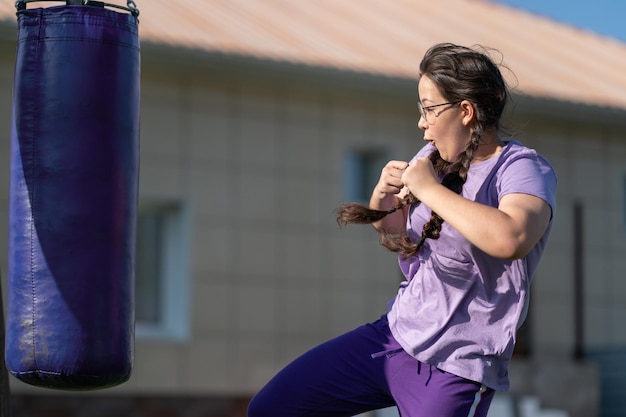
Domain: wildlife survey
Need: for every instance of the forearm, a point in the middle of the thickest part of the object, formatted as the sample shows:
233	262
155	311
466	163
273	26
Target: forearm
394	222
387	194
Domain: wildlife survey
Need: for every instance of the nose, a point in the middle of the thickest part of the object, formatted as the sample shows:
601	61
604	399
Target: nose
422	123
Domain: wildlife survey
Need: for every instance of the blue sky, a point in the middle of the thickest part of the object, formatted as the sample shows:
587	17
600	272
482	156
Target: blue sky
605	17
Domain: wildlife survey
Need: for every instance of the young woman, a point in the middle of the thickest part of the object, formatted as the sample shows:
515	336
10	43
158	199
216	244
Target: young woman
469	216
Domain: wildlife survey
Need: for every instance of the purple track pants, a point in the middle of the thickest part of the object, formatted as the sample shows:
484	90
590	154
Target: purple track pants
362	370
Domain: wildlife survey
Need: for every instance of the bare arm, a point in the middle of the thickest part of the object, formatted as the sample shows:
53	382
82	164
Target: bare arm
387	193
508	231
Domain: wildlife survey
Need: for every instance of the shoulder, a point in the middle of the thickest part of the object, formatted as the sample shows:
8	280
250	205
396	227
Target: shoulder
517	157
523	169
514	150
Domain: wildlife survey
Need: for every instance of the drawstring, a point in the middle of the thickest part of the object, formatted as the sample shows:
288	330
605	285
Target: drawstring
430	370
393	352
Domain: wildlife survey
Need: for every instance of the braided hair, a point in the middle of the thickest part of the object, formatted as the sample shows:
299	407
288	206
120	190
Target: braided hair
460	73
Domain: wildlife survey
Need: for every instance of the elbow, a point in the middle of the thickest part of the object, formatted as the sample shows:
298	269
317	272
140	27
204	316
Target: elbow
510	249
513	256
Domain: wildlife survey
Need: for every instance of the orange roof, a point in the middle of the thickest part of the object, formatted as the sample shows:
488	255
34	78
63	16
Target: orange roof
549	59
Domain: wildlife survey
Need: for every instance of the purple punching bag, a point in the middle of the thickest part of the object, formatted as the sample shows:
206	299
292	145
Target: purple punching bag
73	196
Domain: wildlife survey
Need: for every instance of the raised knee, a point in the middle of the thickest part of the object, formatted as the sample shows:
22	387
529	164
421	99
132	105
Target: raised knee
258	407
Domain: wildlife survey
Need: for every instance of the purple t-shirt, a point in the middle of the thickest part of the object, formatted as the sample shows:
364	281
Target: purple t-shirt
459	308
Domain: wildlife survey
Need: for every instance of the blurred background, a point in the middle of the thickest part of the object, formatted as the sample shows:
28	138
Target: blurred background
260	117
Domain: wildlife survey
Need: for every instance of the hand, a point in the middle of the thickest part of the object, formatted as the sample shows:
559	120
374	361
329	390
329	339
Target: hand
390	181
418	176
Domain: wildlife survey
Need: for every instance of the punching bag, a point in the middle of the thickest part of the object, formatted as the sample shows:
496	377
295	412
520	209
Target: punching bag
73	197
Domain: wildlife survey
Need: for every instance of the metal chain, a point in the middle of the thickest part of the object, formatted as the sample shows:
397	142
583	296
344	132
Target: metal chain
133	7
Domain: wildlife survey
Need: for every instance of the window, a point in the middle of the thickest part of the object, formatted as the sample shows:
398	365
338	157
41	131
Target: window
161	271
363	169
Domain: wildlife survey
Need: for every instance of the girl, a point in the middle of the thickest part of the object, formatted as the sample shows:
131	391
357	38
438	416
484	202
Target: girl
469	216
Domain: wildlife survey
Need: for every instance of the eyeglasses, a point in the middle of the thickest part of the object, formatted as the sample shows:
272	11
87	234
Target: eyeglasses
431	115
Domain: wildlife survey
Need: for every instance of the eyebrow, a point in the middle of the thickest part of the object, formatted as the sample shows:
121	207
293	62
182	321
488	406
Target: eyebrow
424	102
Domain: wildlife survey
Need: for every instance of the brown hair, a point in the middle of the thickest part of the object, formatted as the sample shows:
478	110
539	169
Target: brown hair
460	73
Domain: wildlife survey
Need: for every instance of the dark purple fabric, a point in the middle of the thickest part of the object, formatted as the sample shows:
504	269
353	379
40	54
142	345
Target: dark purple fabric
366	369
73	198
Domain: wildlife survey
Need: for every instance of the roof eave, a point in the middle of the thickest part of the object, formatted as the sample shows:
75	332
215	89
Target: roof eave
557	110
174	59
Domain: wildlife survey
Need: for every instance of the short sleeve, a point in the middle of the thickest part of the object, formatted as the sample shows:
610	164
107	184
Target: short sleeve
528	173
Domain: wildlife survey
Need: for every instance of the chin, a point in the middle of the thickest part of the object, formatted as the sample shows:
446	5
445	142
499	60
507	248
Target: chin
446	157
443	154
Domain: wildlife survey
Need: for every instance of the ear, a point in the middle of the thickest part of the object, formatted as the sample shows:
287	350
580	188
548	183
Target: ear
468	112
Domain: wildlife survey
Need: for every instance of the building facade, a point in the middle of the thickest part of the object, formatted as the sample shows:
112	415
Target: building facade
243	161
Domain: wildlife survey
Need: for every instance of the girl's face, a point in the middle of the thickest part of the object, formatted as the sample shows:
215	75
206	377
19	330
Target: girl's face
445	126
